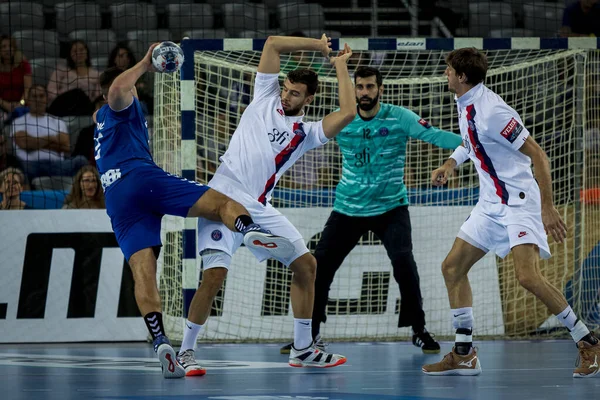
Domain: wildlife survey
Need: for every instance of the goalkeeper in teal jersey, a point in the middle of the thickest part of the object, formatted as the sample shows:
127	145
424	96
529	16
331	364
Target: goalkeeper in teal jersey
371	196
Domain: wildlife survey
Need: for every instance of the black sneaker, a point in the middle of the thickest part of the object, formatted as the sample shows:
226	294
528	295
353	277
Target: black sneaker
426	342
286	349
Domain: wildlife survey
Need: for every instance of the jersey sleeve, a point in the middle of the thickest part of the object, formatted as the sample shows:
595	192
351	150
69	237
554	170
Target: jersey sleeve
18	125
126	114
315	136
265	86
506	128
419	128
62	126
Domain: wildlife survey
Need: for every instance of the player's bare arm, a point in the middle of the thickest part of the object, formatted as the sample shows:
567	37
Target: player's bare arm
122	90
333	123
275	45
553	223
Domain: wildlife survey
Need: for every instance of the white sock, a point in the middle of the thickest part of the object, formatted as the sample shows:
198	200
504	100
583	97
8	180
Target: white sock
302	333
568	318
190	335
579	331
462	318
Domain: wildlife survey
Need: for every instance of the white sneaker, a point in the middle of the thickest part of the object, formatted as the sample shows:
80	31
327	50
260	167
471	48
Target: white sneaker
187	359
279	247
315	358
168	361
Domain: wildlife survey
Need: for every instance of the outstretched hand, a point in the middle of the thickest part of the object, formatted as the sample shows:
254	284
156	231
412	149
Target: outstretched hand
342	56
148	58
325	45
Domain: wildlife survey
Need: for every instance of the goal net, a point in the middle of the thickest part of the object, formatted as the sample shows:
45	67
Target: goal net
557	94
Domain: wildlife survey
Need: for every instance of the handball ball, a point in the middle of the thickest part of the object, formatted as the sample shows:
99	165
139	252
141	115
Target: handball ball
167	57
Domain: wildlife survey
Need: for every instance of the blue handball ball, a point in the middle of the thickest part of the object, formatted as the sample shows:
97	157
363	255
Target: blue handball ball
167	57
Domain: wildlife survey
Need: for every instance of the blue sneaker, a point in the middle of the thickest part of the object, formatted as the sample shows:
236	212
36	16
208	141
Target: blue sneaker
258	238
168	359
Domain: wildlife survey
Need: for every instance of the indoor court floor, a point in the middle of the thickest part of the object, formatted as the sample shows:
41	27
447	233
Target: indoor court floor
540	370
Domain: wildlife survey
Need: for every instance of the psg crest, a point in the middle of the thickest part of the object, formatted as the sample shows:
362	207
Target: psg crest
216	235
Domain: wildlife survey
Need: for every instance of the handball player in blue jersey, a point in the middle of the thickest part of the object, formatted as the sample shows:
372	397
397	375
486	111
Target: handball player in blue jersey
138	193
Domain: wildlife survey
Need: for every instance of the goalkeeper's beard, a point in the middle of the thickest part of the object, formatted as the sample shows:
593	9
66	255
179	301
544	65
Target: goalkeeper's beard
367	106
292	112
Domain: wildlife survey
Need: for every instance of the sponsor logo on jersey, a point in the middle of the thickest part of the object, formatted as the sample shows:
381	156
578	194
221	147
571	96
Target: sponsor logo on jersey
424	123
280	111
384	131
216	235
100	125
512	130
522	233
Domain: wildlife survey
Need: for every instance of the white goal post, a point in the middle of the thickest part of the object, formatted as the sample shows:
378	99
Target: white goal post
554	84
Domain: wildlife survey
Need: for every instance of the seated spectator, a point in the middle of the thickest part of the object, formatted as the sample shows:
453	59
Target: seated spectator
41	140
71	91
122	57
11	183
85	141
6	158
581	18
15	77
86	191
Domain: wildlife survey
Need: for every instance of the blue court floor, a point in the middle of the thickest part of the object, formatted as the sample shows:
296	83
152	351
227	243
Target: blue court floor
511	370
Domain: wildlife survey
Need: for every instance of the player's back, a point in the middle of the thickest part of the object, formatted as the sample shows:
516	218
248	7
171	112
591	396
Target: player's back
121	141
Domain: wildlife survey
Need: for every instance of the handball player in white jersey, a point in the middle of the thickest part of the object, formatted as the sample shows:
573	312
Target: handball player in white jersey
514	213
270	137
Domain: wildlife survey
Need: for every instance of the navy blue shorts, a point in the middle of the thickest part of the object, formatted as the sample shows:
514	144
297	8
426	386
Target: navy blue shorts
137	202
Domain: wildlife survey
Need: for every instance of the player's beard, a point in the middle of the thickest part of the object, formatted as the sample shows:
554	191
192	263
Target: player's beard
292	112
367	106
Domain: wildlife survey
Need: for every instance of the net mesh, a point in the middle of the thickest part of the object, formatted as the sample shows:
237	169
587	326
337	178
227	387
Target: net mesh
546	87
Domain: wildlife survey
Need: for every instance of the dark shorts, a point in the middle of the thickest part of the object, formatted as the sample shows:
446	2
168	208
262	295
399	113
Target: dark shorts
137	202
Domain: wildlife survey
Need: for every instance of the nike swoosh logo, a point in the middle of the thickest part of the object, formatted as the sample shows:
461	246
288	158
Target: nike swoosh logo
304	323
458	315
565	317
189	327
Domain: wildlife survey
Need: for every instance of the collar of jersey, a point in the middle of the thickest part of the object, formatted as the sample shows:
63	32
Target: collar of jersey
470	96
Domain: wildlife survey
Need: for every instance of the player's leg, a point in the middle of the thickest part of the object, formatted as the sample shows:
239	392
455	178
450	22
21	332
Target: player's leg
339	236
527	271
394	230
462	360
304	352
143	267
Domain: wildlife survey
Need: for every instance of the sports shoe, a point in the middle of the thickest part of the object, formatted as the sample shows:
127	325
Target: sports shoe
187	359
257	238
455	364
168	359
314	358
319	344
426	342
588	361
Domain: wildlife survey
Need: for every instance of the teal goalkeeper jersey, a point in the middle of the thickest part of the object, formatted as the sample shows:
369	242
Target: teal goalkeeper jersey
374	153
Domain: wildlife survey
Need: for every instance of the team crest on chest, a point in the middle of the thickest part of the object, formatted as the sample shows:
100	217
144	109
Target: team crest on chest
383	131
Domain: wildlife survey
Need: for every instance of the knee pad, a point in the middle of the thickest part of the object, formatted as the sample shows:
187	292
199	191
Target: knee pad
215	258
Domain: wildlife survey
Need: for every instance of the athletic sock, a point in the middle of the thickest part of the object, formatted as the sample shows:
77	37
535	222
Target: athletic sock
302	333
576	327
190	335
242	222
154	323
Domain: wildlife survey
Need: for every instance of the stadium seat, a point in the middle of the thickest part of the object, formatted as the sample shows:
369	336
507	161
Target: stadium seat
316	33
16	16
218	4
243	17
508	33
151	36
36	43
182	17
73	16
544	19
100	42
129	17
297	17
99	63
42	69
51	183
272	4
486	16
205	34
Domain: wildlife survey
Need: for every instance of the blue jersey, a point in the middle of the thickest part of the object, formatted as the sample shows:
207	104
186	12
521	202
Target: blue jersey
121	140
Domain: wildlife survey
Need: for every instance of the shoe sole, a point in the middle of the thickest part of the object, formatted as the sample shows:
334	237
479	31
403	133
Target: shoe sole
310	365
196	372
430	351
460	372
592	375
168	360
277	246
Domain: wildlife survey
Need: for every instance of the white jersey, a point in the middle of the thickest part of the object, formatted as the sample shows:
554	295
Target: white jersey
266	142
493	133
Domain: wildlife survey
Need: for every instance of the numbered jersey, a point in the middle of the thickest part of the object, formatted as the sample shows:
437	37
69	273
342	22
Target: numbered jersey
266	142
121	140
374	154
